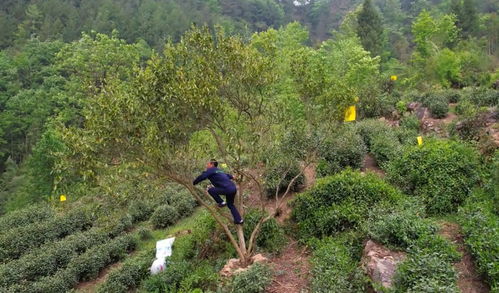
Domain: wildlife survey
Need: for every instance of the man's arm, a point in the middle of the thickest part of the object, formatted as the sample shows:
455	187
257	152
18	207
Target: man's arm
202	177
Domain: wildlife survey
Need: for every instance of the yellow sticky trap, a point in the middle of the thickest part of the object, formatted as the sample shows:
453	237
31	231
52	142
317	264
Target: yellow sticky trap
350	114
224	166
420	140
62	197
393	77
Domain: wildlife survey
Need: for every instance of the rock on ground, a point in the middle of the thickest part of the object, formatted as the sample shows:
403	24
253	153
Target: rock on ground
380	263
233	266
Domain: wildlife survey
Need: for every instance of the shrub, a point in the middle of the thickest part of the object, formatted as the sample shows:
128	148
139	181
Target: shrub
164	216
482	97
140	210
426	273
52	256
342	149
144	233
339	202
253	280
24	217
441	172
480	223
122	224
18	241
370	128
406	136
470	127
398	227
184	205
182	276
385	148
87	265
381	105
61	281
437	104
410	122
129	275
452	96
82	267
179	198
271	236
278	175
466	108
333	269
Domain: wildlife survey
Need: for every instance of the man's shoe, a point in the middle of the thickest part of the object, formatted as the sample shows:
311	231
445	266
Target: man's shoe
239	223
222	204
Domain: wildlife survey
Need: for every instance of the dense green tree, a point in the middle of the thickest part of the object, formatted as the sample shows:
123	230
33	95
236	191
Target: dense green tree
199	87
370	29
466	16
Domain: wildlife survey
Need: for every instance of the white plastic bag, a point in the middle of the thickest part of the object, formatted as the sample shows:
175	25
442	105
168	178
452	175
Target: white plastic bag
158	266
163	250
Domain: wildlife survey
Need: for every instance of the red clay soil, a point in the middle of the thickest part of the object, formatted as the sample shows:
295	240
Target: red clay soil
469	280
291	269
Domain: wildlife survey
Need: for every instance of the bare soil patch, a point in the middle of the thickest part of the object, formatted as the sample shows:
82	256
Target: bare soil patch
291	269
370	165
469	280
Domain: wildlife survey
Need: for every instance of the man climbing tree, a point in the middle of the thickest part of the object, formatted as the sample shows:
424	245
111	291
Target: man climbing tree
222	185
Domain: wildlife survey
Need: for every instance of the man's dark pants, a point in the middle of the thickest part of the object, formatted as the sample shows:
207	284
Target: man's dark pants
230	194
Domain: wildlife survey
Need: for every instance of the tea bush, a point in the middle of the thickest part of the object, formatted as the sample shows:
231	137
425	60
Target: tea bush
88	265
18	241
482	97
385	148
437	104
470	127
129	276
179	198
377	106
410	122
182	276
253	280
140	210
339	202
452	96
406	136
370	128
426	273
441	172
334	270
339	150
52	256
83	267
271	237
278	176
24	217
164	216
480	223
398	227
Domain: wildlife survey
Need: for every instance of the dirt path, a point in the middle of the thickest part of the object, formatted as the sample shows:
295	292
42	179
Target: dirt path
91	286
370	165
469	281
291	270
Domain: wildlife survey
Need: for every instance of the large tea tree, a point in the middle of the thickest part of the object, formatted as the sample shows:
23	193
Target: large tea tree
207	96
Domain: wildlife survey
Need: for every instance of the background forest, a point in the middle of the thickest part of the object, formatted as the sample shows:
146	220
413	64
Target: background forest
108	102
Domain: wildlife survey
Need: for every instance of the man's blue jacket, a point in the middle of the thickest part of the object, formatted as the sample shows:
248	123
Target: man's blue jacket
217	177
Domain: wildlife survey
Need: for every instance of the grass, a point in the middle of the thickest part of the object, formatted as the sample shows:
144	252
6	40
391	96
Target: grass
159	234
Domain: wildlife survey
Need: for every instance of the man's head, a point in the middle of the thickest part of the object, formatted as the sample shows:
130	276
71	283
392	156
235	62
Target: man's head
212	163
